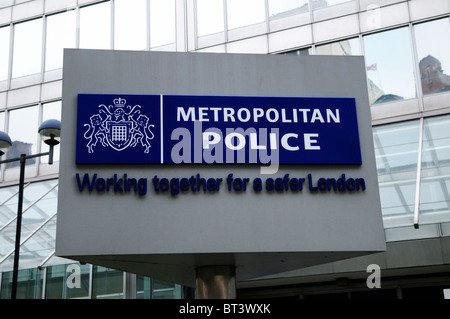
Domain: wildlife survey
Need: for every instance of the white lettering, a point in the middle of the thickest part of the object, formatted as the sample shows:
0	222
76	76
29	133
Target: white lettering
305	116
254	142
207	141
335	117
316	116
74	279
228	113
309	141
240	138
202	115
374	279
247	115
272	115
283	116
257	113
216	113
285	144
190	114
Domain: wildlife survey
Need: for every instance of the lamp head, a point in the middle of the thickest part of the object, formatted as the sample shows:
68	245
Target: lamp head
50	132
5	143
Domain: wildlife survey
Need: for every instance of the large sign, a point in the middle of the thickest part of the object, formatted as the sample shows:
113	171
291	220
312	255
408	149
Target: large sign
216	129
173	161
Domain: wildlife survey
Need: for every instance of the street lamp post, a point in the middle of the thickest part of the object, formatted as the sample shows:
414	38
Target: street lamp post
50	132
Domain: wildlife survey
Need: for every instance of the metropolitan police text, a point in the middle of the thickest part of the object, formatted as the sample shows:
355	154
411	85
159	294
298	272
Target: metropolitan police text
272	115
218	146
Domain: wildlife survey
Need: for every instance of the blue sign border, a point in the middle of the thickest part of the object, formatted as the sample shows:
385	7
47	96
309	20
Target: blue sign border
174	129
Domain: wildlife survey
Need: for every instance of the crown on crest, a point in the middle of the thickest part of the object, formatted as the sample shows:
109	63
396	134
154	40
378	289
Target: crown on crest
119	102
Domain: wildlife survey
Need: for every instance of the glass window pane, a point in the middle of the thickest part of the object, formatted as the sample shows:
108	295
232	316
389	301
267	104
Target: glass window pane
5	197
305	51
2	121
143	287
51	110
130	30
396	153
433	52
210	17
281	8
29	284
435	175
318	4
389	66
243	13
38	246
23	131
162	22
58	278
60	34
107	283
27	48
34	217
165	290
4	52
344	47
9	210
148	288
95	26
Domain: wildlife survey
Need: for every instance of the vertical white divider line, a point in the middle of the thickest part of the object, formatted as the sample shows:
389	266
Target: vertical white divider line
161	124
418	176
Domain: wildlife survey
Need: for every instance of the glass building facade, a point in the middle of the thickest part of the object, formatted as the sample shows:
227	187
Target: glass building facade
406	45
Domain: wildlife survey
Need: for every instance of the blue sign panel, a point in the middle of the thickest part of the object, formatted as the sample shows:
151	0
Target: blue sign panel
216	129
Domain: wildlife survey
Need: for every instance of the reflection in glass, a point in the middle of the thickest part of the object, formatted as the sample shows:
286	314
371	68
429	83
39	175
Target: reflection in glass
95	26
4	52
60	34
344	47
107	283
27	48
2	121
149	288
396	153
433	52
210	17
162	22
165	290
23	131
56	282
50	110
8	209
37	247
318	4
389	66
282	8
130	18
30	283
244	13
435	174
305	51
35	212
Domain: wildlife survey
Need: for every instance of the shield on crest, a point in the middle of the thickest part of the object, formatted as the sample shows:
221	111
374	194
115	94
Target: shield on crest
119	135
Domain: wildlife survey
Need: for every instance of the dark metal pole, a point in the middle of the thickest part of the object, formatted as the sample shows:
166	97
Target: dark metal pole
50	155
23	158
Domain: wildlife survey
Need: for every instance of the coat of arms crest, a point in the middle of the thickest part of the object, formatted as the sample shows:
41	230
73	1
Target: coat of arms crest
118	126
